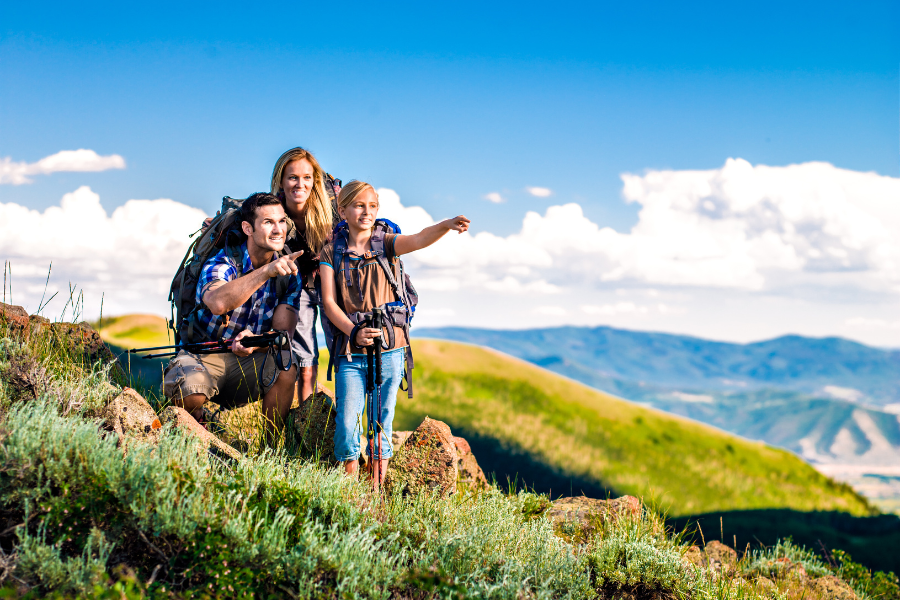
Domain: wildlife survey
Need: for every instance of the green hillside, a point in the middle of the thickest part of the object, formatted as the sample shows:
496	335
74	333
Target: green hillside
537	417
561	437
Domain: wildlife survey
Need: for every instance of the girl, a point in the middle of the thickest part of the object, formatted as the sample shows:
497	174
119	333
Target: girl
362	288
299	182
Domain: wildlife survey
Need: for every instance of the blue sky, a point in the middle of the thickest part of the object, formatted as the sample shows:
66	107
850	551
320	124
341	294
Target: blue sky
444	103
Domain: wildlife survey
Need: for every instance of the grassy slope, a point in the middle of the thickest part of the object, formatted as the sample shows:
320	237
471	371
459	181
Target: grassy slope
135	331
546	421
686	466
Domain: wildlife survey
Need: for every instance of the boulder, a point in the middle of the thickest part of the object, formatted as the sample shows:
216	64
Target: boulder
79	340
576	519
24	374
719	556
314	422
830	587
694	556
470	473
765	586
398	438
130	415
176	416
426	461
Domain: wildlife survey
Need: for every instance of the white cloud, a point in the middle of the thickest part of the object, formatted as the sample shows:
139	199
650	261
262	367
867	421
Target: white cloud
615	309
551	311
129	256
869	323
540	192
495	197
17	173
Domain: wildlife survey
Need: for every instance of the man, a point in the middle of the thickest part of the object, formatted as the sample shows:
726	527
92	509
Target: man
237	301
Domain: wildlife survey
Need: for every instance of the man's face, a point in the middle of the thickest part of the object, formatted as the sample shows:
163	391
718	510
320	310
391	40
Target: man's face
297	181
269	230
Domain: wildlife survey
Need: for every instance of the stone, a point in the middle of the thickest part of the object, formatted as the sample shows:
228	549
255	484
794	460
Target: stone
427	461
175	416
830	587
765	586
470	474
398	438
314	422
694	556
720	557
578	518
129	415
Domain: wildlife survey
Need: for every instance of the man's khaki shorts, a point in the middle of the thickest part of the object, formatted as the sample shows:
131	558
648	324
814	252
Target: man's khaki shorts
226	379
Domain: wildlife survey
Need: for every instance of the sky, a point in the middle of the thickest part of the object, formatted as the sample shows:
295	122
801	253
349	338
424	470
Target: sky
725	171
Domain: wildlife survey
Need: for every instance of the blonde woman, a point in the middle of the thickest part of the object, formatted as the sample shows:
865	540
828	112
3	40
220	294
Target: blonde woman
300	183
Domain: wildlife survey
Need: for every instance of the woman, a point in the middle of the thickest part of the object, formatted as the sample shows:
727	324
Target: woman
299	182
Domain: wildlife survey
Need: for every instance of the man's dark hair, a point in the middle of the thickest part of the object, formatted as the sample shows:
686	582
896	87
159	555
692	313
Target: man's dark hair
248	208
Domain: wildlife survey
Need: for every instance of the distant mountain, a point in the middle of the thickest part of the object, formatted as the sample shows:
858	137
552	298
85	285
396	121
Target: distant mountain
828	399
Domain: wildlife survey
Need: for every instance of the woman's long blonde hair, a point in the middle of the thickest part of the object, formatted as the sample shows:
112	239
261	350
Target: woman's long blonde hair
318	213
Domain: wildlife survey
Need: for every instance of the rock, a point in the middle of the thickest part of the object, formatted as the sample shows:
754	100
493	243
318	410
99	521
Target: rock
765	586
720	557
694	556
130	415
578	518
830	587
176	416
23	374
398	438
470	473
426	461
314	422
79	340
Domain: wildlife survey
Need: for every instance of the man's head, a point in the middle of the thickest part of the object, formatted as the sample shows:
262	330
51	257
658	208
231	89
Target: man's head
264	222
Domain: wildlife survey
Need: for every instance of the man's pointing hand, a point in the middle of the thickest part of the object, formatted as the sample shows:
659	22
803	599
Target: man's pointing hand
284	265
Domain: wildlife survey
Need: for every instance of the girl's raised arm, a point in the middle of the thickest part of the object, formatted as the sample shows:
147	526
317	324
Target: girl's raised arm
404	244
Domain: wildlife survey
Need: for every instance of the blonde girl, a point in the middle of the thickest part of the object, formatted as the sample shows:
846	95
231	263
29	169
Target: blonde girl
358	205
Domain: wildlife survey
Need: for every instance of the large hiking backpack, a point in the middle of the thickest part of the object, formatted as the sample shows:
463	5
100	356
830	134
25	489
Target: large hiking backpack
397	314
223	232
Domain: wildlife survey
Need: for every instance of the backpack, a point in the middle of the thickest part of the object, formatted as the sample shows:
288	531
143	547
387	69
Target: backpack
398	313
223	232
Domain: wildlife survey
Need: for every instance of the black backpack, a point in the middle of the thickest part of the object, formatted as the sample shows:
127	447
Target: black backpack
223	232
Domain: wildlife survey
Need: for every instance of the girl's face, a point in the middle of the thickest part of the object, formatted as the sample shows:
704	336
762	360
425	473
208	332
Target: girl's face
297	183
361	213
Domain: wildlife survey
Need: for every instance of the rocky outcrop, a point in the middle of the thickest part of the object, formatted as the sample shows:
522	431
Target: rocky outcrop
130	416
79	340
470	474
426	461
314	423
177	417
716	556
576	519
832	588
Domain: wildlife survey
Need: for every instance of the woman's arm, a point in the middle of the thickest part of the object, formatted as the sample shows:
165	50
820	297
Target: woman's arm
337	316
404	244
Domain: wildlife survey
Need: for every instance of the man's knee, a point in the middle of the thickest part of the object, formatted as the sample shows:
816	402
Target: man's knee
287	377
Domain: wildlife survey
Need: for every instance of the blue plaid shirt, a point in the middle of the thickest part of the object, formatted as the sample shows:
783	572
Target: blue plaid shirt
256	313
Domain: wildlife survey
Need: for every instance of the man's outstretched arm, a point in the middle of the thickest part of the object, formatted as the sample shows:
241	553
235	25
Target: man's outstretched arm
223	296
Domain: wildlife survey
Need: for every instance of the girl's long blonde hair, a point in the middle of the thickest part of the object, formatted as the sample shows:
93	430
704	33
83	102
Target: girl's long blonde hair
318	214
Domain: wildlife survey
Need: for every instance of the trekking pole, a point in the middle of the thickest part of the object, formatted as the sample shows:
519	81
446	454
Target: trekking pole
370	396
377	321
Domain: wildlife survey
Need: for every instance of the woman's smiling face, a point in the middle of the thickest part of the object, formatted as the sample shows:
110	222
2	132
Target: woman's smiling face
297	183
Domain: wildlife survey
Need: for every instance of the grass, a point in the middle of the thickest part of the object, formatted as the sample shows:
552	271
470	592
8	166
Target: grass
685	466
162	521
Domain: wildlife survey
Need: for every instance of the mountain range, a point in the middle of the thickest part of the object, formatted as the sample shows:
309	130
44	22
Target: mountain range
830	400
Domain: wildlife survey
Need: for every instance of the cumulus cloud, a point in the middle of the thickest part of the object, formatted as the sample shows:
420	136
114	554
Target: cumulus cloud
540	192
129	256
495	197
17	173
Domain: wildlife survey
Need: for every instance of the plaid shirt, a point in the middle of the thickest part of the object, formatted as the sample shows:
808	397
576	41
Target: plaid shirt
256	313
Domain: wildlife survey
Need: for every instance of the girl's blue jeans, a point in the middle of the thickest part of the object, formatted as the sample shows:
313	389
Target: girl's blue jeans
350	397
